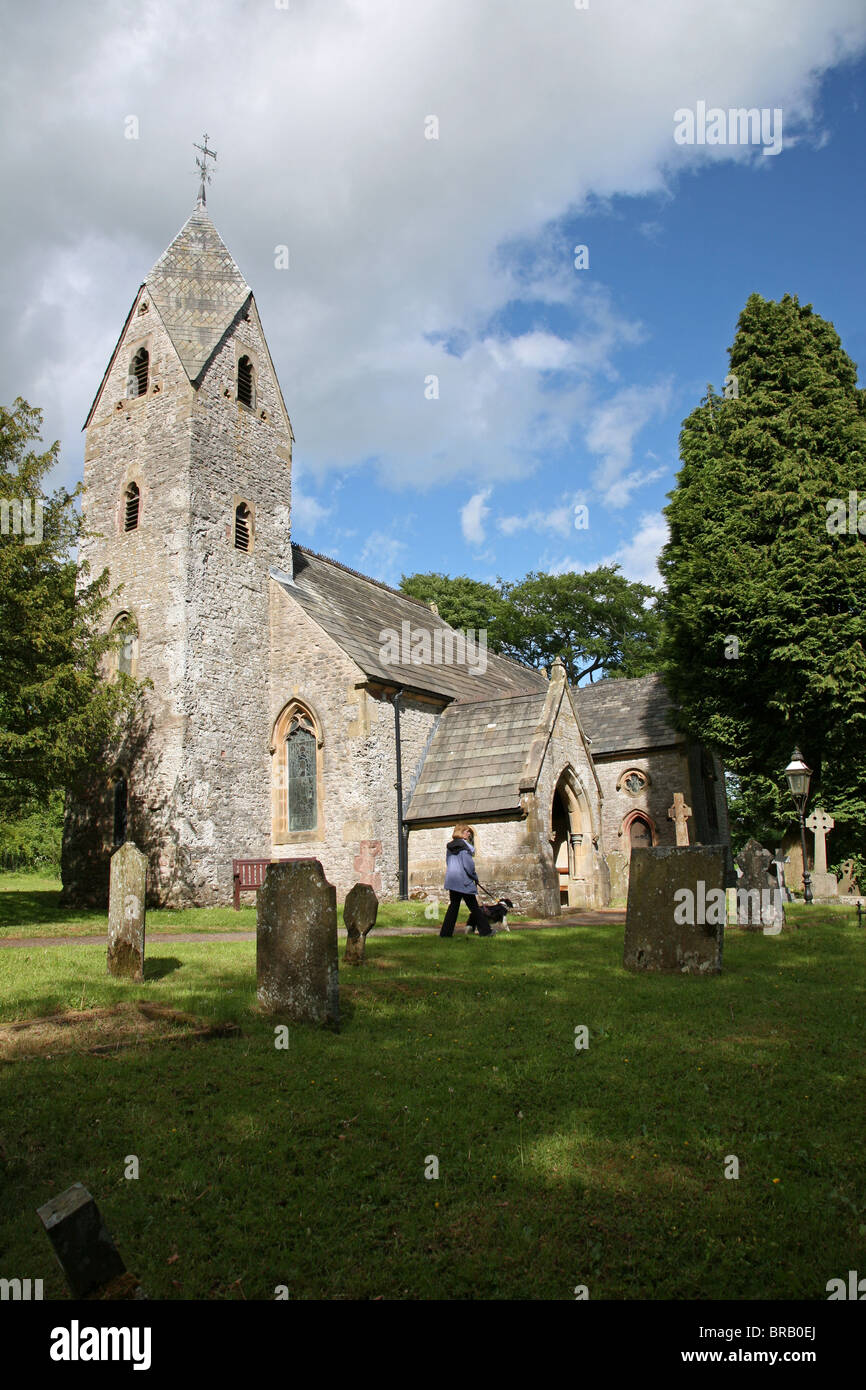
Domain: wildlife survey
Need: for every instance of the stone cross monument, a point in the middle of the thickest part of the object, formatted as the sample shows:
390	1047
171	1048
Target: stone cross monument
824	885
679	814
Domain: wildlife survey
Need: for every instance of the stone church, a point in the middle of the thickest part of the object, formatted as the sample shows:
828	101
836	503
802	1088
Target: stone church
280	721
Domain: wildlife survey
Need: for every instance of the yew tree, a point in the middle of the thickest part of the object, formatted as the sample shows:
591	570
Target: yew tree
765	608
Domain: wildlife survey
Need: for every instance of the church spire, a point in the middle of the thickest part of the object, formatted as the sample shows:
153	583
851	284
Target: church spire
204	175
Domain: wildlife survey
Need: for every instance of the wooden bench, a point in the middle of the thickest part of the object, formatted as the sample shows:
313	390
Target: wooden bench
248	874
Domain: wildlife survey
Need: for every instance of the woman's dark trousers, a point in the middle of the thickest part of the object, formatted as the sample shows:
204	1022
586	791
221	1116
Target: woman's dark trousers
476	916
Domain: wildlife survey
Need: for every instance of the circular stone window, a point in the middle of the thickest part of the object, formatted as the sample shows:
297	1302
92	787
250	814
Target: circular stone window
634	782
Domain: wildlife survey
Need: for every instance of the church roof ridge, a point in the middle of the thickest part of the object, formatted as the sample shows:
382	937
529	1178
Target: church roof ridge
407	598
380	583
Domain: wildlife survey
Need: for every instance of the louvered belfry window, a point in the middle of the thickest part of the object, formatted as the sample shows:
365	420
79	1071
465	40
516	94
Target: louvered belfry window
138	373
301	775
133	502
245	382
243	520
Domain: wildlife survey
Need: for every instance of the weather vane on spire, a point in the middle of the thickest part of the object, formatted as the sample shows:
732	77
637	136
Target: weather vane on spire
203	169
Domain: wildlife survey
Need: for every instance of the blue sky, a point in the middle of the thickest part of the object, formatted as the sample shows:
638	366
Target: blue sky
453	257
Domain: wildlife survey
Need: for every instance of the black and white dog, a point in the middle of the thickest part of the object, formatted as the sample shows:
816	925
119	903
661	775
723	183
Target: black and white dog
496	914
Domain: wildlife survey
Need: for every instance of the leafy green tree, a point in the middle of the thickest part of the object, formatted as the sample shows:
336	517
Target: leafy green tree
57	709
461	601
596	621
765	610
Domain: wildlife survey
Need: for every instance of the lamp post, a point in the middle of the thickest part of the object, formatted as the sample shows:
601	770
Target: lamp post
799	777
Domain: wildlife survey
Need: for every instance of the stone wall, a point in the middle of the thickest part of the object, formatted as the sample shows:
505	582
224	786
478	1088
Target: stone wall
356	839
238	454
145	440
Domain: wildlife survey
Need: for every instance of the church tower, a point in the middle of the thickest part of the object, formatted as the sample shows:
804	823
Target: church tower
187	499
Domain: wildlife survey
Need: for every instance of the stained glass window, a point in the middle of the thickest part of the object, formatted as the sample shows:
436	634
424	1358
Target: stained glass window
635	782
301	775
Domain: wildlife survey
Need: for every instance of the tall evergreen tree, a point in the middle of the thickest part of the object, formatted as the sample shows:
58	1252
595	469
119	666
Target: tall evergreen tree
765	611
57	709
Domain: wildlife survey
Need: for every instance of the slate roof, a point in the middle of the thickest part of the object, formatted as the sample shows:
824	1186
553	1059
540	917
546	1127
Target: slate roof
356	611
625	715
198	290
476	757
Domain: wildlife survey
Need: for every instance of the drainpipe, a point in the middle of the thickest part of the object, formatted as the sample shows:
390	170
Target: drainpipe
402	857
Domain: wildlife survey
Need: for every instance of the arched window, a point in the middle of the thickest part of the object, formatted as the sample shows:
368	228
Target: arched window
120	803
243	527
246	383
138	373
296	742
638	831
301	775
132	501
126	651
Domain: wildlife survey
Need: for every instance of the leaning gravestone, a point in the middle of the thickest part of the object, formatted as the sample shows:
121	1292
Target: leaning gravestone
87	1255
126	912
296	943
675	918
759	899
359	915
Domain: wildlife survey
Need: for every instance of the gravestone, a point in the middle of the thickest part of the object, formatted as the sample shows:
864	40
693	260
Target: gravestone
779	862
88	1256
359	916
759	899
296	943
679	813
617	866
824	885
848	883
126	912
675	919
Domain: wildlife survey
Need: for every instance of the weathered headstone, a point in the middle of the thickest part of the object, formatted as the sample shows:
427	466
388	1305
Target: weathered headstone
675	919
617	866
359	916
779	862
759	899
679	813
848	883
296	943
126	912
824	885
88	1256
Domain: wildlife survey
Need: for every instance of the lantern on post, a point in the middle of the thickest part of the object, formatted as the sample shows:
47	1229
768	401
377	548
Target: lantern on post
799	776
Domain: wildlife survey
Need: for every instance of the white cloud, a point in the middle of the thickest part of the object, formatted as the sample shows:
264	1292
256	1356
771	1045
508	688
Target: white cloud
638	557
472	517
560	520
317	113
383	557
307	513
611	433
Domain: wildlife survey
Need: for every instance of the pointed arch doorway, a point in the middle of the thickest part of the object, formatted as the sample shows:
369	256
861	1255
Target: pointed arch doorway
571	837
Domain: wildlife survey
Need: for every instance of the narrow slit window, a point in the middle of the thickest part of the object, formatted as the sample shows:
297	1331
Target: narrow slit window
121	810
246	392
243	527
133	503
138	373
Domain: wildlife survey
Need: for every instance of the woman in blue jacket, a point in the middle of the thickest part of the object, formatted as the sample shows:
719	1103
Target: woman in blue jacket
460	882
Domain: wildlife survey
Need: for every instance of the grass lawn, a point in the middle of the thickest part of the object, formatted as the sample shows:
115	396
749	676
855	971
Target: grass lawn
305	1167
30	906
